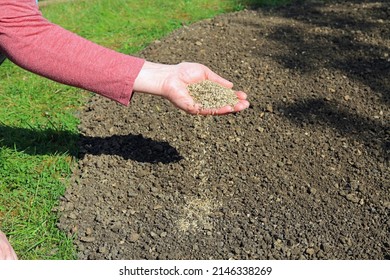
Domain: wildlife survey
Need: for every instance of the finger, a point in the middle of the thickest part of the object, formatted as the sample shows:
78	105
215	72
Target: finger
241	105
214	112
241	95
217	111
218	79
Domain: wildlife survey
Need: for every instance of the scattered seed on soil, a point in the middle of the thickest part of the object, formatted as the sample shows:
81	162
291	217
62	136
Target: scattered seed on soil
212	95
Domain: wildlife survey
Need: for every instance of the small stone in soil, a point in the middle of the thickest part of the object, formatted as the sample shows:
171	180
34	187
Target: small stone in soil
212	95
87	239
134	237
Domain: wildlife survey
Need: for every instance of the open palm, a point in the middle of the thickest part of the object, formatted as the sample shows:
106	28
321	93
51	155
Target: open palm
171	81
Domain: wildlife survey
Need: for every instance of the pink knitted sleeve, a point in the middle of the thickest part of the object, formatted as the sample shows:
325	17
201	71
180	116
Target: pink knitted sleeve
34	43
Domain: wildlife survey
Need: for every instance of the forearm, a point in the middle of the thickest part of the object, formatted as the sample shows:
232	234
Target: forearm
39	46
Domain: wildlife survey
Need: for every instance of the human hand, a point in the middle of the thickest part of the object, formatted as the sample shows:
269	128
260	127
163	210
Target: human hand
6	251
171	81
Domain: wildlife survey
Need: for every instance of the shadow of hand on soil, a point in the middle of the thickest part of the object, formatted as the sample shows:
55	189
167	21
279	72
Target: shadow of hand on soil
340	39
131	147
50	142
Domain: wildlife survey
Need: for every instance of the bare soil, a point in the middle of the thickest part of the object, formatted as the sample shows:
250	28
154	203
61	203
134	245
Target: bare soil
302	174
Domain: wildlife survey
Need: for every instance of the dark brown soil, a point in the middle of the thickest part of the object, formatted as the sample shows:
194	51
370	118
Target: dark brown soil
302	174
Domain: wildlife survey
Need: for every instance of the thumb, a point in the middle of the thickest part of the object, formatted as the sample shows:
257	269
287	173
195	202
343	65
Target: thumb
218	79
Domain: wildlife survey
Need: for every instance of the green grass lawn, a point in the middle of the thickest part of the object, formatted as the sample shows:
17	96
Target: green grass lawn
38	120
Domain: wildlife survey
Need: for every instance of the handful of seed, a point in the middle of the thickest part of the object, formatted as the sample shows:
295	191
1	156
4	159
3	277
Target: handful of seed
211	95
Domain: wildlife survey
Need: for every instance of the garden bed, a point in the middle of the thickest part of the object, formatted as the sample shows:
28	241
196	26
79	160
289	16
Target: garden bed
302	174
